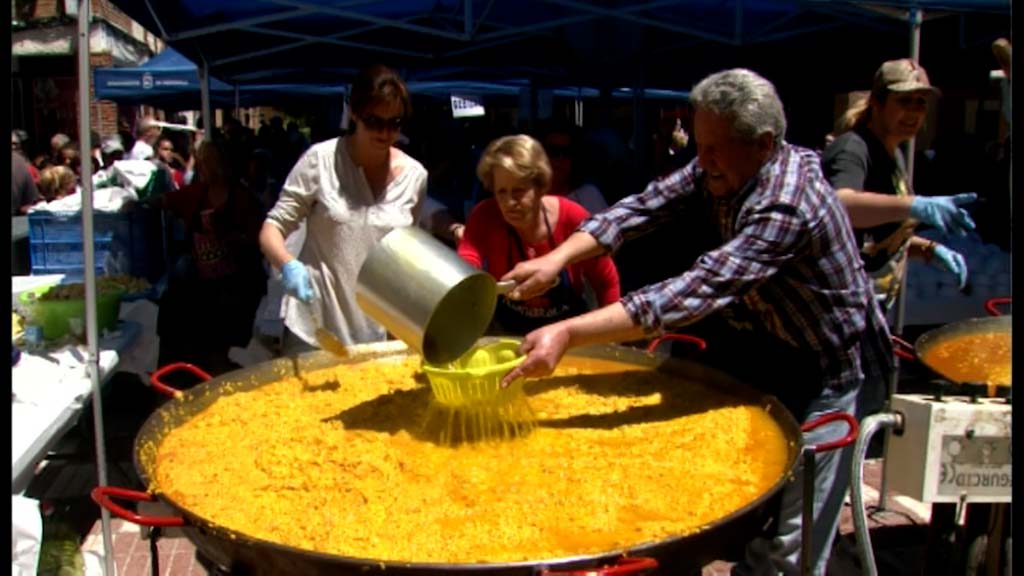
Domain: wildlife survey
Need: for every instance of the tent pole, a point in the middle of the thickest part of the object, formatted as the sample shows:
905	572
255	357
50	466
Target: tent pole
579	107
204	92
640	144
89	252
915	17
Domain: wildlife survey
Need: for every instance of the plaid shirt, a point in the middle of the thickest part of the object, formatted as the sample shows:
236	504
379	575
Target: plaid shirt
788	256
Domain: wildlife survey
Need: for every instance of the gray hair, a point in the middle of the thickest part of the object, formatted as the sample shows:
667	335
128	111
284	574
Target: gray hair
745	98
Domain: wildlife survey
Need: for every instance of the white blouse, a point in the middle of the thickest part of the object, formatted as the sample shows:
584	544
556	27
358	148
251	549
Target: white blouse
330	193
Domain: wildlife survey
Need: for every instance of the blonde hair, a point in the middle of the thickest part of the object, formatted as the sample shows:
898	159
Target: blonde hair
54	180
519	154
857	113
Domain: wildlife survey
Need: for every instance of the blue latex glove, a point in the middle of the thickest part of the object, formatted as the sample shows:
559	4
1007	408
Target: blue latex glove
953	262
295	279
944	212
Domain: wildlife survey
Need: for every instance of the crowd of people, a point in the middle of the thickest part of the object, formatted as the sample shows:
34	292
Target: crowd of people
795	254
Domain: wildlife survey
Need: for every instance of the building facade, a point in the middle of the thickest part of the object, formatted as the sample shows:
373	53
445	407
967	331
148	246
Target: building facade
44	66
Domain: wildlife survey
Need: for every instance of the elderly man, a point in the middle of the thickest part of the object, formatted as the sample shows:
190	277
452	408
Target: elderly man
147	133
57	142
784	262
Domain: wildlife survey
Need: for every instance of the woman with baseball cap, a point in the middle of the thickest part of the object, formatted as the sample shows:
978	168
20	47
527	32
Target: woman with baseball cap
867	168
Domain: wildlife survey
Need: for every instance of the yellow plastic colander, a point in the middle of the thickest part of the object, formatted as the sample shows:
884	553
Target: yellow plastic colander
475	378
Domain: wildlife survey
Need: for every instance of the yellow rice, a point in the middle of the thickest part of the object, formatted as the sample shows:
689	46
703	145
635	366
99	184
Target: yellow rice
342	464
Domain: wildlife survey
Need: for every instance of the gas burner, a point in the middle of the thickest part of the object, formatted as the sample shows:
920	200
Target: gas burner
952	448
943	390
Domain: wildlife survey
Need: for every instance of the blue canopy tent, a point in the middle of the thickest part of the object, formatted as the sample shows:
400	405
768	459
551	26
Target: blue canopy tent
171	81
667	44
168	80
444	89
578	42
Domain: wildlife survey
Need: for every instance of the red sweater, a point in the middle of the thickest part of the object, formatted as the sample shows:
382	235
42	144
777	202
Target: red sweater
487	239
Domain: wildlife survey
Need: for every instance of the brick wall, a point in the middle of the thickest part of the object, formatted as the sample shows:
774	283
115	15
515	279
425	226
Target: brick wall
45	9
103	113
105	10
102	9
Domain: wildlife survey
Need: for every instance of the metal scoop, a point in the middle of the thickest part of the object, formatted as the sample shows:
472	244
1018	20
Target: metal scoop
325	339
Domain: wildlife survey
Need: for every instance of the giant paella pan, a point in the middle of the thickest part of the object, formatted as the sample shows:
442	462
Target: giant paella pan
308	465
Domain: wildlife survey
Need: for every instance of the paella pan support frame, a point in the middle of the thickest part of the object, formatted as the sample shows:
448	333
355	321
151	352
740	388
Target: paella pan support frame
807	522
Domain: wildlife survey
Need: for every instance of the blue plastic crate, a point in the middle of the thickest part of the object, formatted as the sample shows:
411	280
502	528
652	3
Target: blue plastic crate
124	243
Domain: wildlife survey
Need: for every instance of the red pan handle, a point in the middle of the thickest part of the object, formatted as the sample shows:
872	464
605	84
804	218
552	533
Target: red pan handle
623	567
102	495
166	390
701	344
851	435
991	303
903	349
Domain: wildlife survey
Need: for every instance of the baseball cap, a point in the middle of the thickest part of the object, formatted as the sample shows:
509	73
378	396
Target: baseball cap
111	144
903	75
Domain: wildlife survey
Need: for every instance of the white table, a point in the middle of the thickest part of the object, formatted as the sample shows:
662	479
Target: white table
51	388
49	396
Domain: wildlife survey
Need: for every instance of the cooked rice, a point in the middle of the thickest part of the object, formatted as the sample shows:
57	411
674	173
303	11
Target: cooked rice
342	464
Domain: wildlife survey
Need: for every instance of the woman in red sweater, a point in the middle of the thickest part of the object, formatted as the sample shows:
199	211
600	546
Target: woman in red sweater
521	222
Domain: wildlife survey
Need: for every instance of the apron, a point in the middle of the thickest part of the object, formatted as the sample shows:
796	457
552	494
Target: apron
885	259
213	256
518	317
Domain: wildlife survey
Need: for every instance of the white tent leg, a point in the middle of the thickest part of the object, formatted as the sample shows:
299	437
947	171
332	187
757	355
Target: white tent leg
88	249
915	17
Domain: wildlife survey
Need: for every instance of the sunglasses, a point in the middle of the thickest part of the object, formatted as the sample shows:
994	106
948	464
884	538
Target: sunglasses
375	123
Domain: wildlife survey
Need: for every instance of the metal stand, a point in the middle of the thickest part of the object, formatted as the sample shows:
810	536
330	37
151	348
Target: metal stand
154	551
807	524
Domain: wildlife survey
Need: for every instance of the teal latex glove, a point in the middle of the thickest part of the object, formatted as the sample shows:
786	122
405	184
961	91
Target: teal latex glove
295	279
944	212
953	262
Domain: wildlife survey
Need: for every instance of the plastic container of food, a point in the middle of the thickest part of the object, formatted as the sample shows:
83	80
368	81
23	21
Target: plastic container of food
55	316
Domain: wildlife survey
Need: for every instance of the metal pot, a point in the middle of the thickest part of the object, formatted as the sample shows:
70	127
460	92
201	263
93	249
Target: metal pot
425	294
242	554
996	323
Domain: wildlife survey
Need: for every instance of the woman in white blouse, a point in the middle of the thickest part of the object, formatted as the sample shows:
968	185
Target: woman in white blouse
350	191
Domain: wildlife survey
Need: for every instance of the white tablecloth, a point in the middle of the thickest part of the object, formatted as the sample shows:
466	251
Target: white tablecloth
49	390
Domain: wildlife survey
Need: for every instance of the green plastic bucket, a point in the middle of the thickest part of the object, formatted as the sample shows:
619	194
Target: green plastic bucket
54	315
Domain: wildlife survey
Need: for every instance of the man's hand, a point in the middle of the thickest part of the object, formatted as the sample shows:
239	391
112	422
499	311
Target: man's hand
952	261
534	277
944	212
544	348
